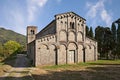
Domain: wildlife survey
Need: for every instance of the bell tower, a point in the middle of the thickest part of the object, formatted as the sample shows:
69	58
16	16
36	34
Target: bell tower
31	32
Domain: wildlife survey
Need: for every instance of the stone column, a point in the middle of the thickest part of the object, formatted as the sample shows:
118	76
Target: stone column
76	58
67	51
56	56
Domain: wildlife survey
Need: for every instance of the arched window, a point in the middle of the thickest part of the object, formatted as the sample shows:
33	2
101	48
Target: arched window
32	32
72	25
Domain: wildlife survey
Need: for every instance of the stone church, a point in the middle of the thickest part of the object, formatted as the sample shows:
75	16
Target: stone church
62	41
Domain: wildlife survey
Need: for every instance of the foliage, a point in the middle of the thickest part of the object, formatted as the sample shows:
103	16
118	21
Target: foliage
10	48
108	41
6	36
91	32
118	40
114	39
87	31
103	36
99	37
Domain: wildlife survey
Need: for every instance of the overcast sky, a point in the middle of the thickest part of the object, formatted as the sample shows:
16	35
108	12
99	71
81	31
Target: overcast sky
18	14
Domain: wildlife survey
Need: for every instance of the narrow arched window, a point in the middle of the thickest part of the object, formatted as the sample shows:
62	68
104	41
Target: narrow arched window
73	25
70	24
32	32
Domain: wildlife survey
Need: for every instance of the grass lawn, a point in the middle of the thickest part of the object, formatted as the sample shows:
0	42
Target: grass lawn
98	70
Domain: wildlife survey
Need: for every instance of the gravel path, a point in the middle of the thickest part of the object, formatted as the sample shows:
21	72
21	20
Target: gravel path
20	71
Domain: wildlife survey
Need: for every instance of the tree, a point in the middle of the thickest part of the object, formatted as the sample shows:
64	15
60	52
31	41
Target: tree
11	47
1	50
107	42
87	31
103	37
114	32
91	33
118	40
99	36
118	34
114	39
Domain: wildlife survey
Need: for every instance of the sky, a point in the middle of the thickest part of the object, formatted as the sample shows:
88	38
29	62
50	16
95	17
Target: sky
16	15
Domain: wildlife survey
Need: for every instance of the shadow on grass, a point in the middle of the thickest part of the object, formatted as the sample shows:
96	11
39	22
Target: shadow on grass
17	60
10	60
109	72
91	73
16	78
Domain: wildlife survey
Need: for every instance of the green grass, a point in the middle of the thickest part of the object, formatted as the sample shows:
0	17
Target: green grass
1	63
105	62
59	66
97	70
87	64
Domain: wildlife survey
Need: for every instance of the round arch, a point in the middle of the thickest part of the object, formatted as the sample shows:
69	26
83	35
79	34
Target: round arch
72	46
63	35
71	36
64	45
72	42
79	36
44	46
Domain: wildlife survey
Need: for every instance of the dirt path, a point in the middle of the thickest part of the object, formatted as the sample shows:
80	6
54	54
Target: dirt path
21	71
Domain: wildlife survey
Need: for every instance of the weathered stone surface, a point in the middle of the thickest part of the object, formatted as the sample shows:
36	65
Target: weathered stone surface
63	41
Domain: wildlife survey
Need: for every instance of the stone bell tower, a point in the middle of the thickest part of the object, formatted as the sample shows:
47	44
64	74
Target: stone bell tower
31	32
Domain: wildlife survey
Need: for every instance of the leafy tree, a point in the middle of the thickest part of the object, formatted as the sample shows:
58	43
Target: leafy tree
11	47
91	33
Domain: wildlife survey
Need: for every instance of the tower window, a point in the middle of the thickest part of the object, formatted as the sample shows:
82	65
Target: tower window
32	32
65	22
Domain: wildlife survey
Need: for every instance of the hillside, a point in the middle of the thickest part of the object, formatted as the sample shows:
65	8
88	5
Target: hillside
6	35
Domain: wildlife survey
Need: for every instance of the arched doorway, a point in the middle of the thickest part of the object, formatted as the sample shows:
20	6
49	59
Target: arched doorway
71	55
